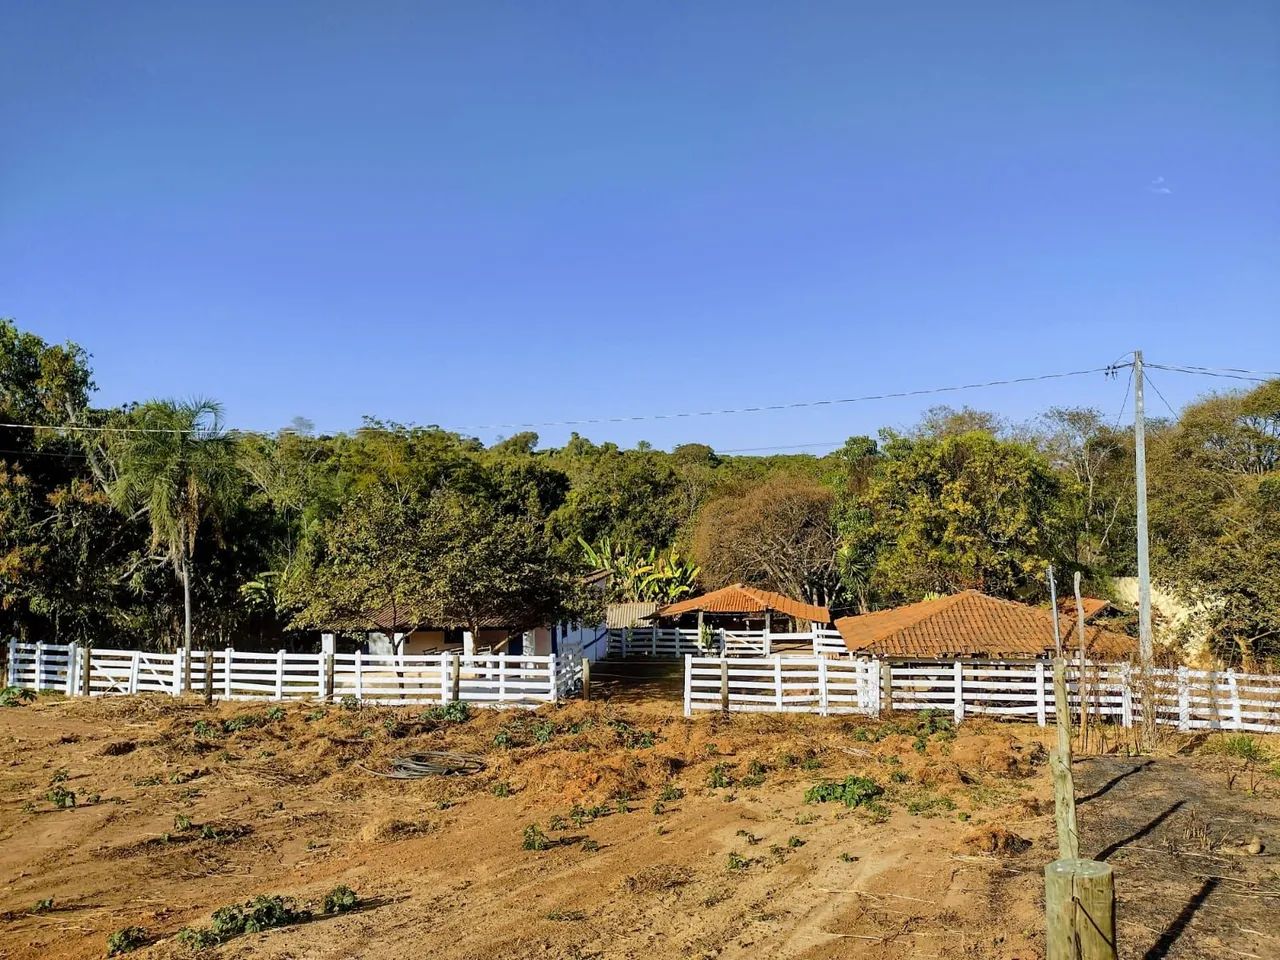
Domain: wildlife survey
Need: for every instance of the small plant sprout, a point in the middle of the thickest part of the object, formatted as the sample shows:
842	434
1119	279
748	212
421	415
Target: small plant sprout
340	899
534	838
853	792
43	906
127	940
737	861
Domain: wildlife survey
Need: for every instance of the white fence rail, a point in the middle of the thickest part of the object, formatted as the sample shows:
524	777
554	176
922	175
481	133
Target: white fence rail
668	643
1187	699
496	679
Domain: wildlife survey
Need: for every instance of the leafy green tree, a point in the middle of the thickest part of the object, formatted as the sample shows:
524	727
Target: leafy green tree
1215	518
967	511
175	468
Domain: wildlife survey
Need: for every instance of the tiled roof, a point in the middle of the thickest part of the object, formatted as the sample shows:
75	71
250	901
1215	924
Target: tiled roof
739	598
382	621
1092	607
968	624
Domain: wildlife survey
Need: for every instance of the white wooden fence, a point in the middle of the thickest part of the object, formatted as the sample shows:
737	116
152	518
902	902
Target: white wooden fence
1187	699
495	679
667	643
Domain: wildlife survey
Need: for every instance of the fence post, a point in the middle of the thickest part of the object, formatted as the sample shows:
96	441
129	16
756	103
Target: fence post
688	684
133	671
39	665
777	680
502	677
86	670
229	653
1237	715
359	675
871	677
959	681
626	642
1079	906
455	678
1126	696
12	666
1184	699
824	697
555	679
724	684
886	686
1041	709
177	672
279	674
586	679
208	676
653	639
321	670
69	681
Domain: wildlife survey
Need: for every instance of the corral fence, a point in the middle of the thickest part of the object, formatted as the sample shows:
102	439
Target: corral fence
1181	697
489	679
669	643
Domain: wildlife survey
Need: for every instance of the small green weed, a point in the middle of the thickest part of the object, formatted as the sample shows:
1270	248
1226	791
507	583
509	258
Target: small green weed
15	696
794	842
340	899
456	711
589	845
670	793
43	906
534	838
501	789
719	777
737	861
748	836
61	797
127	940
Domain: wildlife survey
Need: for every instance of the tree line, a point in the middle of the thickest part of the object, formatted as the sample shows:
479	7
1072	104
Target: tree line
152	522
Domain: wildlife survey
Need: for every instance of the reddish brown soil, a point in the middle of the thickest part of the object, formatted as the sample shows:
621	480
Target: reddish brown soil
947	863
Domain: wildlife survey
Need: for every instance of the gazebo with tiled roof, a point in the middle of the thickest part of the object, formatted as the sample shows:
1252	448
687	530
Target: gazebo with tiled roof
738	601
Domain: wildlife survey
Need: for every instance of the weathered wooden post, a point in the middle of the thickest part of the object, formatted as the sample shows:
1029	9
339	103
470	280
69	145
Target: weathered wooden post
455	678
1079	895
330	672
724	684
86	678
586	679
1064	798
208	676
1079	906
886	686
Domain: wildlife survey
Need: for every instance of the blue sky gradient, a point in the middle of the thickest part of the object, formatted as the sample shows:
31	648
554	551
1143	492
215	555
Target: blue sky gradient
473	213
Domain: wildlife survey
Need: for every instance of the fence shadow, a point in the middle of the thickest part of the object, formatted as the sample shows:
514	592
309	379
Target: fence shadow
1164	943
1111	784
1141	832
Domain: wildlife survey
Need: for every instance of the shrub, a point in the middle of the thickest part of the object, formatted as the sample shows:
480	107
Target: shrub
15	696
340	899
458	711
127	940
853	792
260	913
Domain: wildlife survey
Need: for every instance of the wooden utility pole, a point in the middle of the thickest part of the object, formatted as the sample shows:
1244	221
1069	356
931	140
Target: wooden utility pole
1144	558
1079	895
1081	681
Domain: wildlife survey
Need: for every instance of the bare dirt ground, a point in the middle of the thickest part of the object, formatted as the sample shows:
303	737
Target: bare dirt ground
663	837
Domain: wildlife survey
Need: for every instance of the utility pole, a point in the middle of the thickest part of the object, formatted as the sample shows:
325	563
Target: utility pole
1144	559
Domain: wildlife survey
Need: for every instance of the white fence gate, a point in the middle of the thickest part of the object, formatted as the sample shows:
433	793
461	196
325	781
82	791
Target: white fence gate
495	679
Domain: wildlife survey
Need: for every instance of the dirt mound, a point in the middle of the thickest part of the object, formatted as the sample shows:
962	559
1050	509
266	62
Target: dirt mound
1000	754
386	829
994	841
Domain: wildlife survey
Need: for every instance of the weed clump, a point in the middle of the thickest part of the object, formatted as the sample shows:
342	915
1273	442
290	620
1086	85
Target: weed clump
534	838
340	899
457	711
126	940
853	792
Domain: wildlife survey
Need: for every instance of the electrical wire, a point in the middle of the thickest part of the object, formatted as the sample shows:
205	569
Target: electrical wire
1227	373
1167	404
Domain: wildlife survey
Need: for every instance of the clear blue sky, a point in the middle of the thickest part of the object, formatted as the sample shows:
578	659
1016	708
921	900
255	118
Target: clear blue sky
475	212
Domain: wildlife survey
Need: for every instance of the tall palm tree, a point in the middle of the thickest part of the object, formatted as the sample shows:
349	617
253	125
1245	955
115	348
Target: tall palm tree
174	464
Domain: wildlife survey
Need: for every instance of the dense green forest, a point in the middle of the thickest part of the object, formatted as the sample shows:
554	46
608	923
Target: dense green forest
113	521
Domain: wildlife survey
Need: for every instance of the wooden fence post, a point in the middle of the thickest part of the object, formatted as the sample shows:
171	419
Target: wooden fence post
134	664
455	677
1079	906
586	679
1126	696
724	684
177	672
886	686
824	694
1064	795
777	681
1041	706
73	657
1237	719
653	639
359	675
86	671
688	684
208	676
11	668
39	665
1184	699
229	653
279	674
959	681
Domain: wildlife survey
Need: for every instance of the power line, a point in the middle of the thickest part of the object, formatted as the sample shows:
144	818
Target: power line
769	408
1161	395
1228	373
